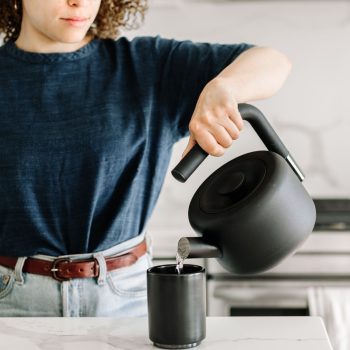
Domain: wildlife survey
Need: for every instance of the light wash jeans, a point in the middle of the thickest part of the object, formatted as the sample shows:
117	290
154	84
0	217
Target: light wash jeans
118	293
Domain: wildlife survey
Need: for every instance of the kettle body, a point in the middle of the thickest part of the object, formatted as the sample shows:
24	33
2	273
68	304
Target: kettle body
253	211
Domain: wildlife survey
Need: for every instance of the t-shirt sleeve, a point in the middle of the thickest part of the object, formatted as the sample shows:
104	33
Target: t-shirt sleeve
184	68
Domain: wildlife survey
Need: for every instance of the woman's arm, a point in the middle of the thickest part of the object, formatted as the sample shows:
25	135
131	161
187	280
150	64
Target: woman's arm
255	74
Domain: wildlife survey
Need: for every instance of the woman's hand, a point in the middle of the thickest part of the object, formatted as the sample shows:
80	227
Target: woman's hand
216	121
255	74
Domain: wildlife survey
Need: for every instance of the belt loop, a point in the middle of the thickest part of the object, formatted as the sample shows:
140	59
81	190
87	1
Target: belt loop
65	298
18	270
101	279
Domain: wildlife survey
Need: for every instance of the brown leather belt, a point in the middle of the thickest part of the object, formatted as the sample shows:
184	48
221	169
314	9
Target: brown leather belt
63	269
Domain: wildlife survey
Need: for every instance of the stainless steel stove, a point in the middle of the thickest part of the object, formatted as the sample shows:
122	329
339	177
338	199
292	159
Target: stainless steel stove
332	214
323	260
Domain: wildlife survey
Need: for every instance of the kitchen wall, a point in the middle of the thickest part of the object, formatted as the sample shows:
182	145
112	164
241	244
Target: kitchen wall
311	113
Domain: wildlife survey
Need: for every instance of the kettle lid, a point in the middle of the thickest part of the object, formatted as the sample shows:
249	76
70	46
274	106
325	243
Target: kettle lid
232	184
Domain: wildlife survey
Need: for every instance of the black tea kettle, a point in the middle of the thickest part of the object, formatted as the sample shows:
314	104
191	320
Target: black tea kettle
253	211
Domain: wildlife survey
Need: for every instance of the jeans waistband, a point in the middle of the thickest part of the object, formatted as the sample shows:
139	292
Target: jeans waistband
116	250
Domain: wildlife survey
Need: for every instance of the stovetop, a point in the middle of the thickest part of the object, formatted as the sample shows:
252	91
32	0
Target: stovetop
332	214
331	233
325	254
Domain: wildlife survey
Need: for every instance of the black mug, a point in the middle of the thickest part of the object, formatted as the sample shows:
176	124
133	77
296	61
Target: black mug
176	306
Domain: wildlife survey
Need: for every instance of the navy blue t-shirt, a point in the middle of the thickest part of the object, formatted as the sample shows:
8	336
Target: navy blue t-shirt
86	137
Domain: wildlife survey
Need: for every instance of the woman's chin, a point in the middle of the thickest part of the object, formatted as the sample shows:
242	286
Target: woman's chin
74	38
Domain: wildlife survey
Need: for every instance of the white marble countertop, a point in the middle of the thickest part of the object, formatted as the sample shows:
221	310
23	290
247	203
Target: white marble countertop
238	333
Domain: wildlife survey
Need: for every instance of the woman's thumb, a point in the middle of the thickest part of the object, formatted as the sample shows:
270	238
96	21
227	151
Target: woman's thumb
191	143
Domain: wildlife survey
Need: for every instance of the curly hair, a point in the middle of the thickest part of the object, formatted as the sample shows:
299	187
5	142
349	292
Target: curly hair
112	15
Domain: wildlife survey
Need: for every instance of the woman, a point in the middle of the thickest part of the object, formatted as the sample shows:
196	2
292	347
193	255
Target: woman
87	127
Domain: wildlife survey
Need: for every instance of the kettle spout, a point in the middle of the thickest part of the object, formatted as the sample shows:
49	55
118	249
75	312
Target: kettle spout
196	247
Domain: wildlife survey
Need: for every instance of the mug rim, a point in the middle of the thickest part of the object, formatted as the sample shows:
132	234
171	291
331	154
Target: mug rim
153	270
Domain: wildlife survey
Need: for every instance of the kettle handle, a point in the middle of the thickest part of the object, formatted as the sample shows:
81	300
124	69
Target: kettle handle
262	127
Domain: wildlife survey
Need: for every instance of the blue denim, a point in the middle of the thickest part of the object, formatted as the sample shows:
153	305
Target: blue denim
118	293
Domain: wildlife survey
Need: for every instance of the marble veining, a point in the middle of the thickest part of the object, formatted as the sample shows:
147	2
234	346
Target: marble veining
239	333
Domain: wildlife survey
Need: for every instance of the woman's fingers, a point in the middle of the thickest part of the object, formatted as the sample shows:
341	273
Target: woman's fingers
190	144
214	134
216	120
224	134
207	138
234	114
231	129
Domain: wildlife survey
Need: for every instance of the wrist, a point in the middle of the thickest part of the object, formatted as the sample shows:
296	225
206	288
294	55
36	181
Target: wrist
231	85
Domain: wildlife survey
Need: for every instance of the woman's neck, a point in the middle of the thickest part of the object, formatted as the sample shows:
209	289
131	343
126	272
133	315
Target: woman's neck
42	44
